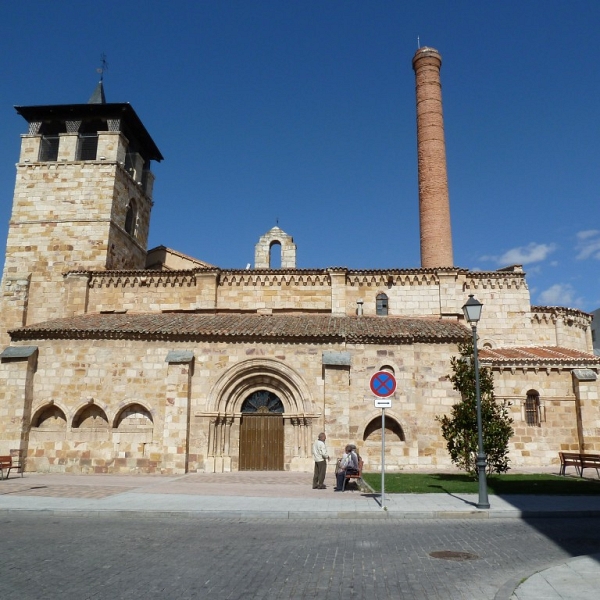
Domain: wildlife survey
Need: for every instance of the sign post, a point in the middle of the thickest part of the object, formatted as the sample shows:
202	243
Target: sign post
383	385
383	459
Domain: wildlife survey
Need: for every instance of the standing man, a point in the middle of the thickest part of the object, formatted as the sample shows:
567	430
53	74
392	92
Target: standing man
321	457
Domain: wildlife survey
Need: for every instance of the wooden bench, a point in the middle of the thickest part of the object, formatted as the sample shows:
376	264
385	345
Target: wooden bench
580	461
356	476
569	459
590	461
18	460
5	465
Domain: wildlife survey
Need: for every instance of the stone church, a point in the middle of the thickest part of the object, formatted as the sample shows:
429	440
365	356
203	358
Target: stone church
117	358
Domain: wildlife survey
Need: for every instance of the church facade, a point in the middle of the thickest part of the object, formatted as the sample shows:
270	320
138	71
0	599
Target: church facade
116	358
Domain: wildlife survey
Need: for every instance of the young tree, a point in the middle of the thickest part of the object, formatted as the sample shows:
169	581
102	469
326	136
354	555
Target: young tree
460	427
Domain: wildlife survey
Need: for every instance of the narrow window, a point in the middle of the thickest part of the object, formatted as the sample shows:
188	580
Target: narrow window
532	408
129	163
381	304
134	164
131	218
87	146
145	178
48	148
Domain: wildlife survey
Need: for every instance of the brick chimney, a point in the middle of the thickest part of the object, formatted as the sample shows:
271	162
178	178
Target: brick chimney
434	204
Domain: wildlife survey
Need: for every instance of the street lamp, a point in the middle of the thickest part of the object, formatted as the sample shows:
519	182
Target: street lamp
472	311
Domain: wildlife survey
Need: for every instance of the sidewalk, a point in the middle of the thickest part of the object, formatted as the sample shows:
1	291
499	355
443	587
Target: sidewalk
285	495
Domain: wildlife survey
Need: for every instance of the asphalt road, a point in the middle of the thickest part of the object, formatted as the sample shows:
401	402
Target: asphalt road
135	557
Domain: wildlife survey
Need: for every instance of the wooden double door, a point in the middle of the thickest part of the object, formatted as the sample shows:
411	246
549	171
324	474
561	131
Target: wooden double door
261	442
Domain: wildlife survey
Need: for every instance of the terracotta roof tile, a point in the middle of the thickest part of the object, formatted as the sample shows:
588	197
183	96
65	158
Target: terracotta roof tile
536	354
327	328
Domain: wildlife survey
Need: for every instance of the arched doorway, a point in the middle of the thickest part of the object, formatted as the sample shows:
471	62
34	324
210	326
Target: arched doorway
261	433
227	408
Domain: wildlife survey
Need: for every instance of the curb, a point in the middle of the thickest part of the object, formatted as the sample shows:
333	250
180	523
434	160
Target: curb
507	590
295	515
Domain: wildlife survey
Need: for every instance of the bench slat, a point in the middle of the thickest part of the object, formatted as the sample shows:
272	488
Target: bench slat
580	461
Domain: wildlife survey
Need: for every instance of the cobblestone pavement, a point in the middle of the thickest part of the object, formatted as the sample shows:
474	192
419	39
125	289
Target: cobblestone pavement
140	556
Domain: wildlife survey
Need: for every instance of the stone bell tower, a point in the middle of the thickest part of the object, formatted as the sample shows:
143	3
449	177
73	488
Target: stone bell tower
434	204
82	201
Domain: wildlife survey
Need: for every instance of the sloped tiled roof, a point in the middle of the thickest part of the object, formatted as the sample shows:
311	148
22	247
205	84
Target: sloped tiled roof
246	327
536	354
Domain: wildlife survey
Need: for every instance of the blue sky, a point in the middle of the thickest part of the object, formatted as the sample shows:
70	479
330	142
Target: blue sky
303	111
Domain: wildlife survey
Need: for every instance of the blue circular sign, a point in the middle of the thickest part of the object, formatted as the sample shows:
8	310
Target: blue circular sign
383	384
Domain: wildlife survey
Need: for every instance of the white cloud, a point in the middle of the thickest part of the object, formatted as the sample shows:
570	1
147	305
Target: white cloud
584	235
560	294
526	254
589	244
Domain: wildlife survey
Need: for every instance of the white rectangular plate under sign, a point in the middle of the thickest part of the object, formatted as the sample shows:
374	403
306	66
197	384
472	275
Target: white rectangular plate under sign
383	403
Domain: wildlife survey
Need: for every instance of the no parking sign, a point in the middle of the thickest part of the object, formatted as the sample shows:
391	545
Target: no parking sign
383	384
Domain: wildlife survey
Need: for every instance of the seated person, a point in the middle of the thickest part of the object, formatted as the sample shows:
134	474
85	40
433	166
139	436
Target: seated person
347	464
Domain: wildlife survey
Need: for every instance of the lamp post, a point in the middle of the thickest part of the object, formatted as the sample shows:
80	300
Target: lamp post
472	311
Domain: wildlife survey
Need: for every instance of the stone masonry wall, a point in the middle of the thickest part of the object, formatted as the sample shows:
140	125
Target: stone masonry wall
273	291
70	215
408	296
539	445
80	389
505	318
562	327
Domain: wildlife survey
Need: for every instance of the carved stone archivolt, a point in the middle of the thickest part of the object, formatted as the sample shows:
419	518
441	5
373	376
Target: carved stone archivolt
249	376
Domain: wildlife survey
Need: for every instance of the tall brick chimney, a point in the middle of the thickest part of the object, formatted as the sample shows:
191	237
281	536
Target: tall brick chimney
434	204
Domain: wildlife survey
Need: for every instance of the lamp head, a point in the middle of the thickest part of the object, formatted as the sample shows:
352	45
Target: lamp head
472	310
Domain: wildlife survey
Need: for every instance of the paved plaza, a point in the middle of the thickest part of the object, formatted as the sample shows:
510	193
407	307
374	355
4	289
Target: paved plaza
270	535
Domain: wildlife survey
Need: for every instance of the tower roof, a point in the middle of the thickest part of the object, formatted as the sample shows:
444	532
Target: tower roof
130	124
98	96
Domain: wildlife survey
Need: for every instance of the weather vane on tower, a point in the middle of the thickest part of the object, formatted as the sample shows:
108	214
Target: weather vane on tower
103	66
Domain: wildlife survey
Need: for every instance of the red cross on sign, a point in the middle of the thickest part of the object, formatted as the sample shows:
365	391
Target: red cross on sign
383	384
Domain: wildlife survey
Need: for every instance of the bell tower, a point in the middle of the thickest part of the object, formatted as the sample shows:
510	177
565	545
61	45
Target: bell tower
83	196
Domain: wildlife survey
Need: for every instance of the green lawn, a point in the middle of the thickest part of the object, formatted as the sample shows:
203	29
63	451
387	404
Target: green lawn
417	483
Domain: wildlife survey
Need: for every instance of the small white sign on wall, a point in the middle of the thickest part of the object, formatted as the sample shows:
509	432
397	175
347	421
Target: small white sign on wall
383	403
